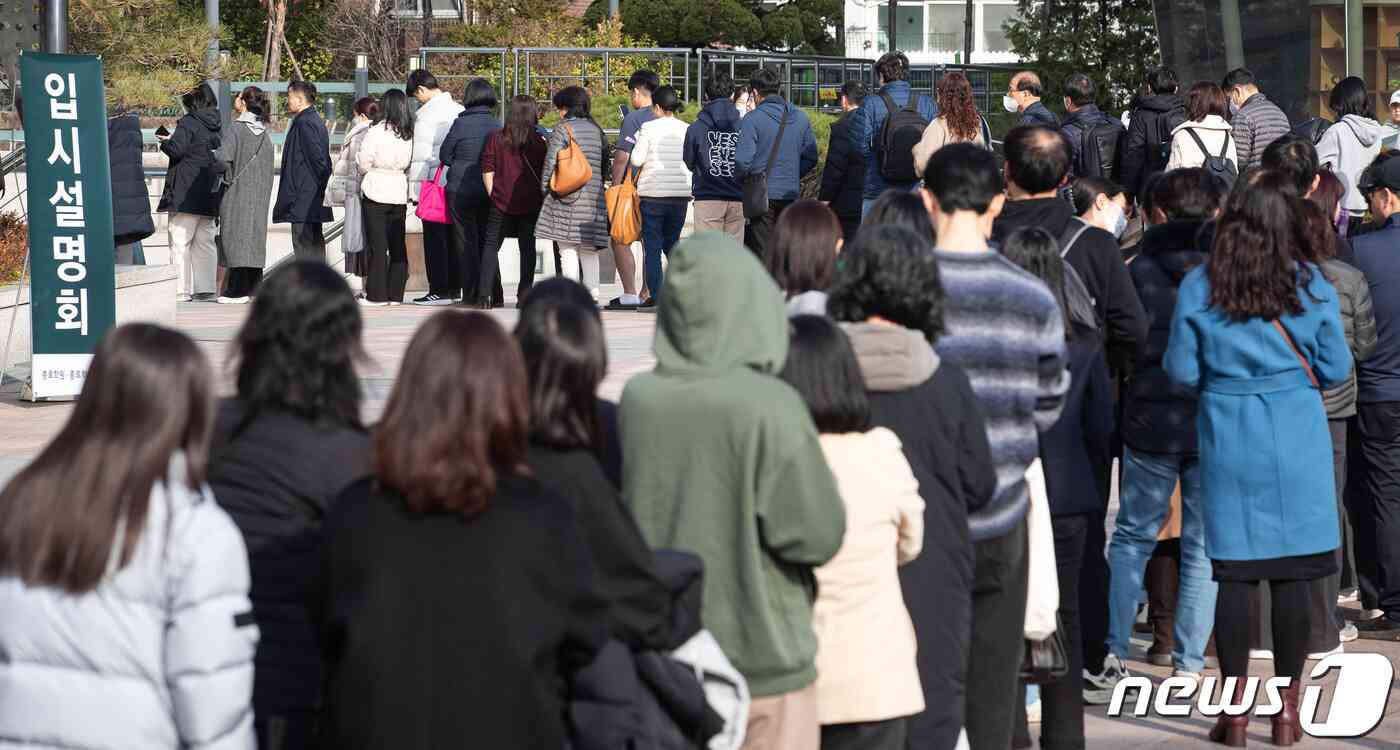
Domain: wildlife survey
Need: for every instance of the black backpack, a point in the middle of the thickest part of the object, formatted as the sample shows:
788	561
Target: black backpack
902	131
1098	148
1159	144
1312	129
1219	167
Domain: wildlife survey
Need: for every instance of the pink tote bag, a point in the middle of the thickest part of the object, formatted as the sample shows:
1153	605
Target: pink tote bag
432	200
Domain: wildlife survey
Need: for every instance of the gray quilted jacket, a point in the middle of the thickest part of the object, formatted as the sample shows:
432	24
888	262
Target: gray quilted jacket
159	655
1257	124
581	217
1359	322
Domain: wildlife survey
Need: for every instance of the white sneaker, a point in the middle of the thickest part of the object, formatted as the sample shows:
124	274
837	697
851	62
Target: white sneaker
1260	653
1348	633
184	298
368	303
232	300
1348	596
1371	614
1183	673
1324	654
1098	688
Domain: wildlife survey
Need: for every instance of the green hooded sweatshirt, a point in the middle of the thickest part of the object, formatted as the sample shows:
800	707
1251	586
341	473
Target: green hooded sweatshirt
721	458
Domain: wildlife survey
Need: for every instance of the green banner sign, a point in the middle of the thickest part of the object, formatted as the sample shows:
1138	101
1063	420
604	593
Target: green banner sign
70	217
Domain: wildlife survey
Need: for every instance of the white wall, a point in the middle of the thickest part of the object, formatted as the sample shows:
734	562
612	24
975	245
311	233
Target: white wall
863	29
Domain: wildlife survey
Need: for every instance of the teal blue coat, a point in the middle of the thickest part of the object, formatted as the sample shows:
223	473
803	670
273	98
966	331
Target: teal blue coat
1266	454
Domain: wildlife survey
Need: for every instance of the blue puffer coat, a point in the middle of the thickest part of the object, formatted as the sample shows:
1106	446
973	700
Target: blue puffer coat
797	155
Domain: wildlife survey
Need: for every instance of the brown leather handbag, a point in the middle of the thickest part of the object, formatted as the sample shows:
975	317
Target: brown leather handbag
624	211
571	170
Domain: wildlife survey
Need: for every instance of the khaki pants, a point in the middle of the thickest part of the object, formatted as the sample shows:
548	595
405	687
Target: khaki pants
193	253
784	722
721	216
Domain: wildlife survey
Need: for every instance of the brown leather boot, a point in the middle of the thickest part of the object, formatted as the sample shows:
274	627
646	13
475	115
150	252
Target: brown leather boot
1288	728
1233	731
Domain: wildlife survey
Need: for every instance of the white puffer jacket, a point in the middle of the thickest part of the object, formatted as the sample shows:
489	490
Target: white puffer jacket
382	157
430	126
660	152
160	655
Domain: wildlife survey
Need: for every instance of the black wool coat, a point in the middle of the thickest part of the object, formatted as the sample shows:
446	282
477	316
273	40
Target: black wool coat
191	182
276	475
306	168
131	203
441	631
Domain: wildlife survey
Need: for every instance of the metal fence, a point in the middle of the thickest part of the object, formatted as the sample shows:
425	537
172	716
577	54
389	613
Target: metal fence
539	71
808	81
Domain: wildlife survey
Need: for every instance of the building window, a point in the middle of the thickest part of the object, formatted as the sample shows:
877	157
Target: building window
993	36
946	26
439	8
909	28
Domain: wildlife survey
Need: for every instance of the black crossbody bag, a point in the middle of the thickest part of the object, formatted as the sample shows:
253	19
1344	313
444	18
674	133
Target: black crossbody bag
756	185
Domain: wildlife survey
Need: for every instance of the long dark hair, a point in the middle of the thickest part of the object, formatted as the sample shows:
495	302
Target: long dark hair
393	110
522	115
1322	234
258	102
1038	252
802	254
561	337
200	97
297	350
822	367
457	418
956	105
1253	268
148	394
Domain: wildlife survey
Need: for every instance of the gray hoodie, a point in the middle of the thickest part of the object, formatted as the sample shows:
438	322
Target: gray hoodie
1350	146
891	357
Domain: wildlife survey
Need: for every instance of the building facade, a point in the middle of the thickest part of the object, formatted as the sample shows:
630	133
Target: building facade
930	31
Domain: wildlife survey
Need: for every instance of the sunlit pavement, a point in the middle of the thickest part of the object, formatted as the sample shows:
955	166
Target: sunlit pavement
25	428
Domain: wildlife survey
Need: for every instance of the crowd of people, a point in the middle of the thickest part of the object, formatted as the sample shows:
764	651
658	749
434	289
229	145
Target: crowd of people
813	523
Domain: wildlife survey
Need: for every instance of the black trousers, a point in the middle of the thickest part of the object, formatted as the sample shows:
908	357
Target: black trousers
1345	470
308	241
469	217
384	243
998	640
760	230
240	281
1093	592
1377	520
866	735
1235	623
442	262
293	731
499	226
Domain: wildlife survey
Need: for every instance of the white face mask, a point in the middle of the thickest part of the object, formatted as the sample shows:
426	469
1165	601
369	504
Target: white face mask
1116	221
1009	103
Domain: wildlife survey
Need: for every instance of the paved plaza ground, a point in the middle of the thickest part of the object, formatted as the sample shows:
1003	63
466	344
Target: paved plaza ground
25	428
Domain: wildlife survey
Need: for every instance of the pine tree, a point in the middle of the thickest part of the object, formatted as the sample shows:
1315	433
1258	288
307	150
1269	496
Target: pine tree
1114	42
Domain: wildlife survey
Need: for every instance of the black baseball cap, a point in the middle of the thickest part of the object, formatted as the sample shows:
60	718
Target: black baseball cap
1383	173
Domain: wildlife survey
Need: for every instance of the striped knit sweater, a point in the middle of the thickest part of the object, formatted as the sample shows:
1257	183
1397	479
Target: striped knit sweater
1005	331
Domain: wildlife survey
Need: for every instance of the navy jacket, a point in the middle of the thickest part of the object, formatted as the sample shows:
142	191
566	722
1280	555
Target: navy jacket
1073	130
797	155
131	203
710	145
1075	452
461	152
843	178
1150	126
868	123
1377	254
1039	114
306	167
1159	416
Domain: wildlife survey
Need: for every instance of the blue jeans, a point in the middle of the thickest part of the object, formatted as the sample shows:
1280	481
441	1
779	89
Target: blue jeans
661	229
1144	497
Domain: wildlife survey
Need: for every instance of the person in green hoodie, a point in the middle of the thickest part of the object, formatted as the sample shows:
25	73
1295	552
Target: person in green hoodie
721	458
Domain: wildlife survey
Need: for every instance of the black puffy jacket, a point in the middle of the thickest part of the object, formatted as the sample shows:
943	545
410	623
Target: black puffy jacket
1149	127
843	178
1158	415
191	183
131	203
461	152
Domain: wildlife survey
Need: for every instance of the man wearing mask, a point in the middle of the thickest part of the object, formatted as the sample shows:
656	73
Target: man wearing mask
1023	96
1257	121
306	167
1037	162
